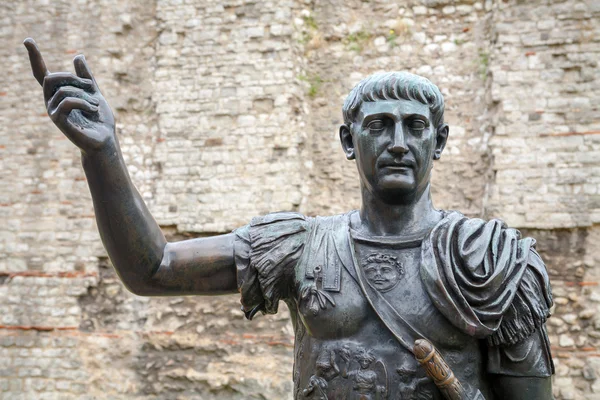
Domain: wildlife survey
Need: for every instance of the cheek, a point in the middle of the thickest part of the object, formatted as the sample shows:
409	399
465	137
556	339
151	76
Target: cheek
369	149
423	151
388	274
423	143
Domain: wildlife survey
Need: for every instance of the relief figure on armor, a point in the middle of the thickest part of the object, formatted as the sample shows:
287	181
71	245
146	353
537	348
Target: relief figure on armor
382	271
326	370
415	385
367	382
435	304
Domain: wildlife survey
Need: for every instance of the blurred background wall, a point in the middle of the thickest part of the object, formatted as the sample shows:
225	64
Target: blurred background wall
229	109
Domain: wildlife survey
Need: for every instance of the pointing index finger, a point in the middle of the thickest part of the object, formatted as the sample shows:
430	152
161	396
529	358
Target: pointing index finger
38	67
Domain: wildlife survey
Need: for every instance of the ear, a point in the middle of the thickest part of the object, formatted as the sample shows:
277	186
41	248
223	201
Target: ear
440	141
347	141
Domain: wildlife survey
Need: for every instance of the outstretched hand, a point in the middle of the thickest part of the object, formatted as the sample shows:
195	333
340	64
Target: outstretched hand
74	102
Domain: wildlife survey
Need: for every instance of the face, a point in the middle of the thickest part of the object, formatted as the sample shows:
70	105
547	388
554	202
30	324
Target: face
382	276
364	362
394	144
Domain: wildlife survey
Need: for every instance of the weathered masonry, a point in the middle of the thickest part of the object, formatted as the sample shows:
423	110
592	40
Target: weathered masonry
245	93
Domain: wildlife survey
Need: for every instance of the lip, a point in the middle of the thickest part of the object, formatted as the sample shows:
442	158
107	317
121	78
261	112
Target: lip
397	165
397	168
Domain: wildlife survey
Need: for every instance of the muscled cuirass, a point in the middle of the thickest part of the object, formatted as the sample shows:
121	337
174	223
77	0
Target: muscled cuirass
344	351
473	289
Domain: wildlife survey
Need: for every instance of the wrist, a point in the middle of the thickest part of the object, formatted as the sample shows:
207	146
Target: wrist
108	151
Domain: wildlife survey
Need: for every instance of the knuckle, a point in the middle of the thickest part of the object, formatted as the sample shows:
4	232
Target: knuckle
65	103
61	91
70	90
64	91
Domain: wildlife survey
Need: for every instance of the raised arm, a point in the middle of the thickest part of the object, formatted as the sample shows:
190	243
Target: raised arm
146	263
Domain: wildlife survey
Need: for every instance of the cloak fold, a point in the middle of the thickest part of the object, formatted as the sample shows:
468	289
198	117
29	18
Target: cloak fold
266	252
485	279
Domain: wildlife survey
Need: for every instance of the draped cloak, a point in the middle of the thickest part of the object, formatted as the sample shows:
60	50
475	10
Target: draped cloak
487	280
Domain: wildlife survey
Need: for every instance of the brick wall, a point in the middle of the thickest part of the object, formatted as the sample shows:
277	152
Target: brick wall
230	109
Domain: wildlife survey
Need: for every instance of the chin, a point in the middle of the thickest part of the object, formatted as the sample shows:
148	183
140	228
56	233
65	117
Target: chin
398	194
397	183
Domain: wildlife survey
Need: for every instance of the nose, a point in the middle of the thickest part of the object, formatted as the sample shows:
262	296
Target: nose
398	143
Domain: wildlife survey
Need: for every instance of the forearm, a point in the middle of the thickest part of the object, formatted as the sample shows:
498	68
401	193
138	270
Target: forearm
131	236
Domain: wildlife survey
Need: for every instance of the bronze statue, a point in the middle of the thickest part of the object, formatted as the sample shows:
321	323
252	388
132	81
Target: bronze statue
397	300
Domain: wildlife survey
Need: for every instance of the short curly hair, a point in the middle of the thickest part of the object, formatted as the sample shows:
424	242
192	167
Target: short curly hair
384	259
395	86
363	354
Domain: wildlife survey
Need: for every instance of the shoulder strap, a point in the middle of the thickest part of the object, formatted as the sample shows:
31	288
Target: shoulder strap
403	331
329	250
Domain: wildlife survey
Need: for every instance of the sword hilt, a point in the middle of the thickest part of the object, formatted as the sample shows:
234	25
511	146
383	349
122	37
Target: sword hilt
438	370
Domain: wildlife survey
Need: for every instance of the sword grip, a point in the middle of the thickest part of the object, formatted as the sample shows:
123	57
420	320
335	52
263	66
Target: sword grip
438	370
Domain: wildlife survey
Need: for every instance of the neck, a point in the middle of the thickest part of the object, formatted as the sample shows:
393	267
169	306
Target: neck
417	215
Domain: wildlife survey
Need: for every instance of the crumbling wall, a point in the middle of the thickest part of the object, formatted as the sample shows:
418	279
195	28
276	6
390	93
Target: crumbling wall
346	41
230	109
545	81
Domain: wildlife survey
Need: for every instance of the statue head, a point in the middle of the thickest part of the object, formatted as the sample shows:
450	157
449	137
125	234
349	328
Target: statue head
364	357
383	271
394	128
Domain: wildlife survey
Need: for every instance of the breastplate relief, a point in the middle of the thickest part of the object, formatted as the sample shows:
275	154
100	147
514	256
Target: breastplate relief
351	370
313	294
383	271
359	374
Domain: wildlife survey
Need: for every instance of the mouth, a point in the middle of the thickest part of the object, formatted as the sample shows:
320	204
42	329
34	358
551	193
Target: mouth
397	165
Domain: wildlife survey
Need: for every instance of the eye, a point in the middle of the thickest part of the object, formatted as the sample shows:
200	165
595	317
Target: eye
377	125
417	124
